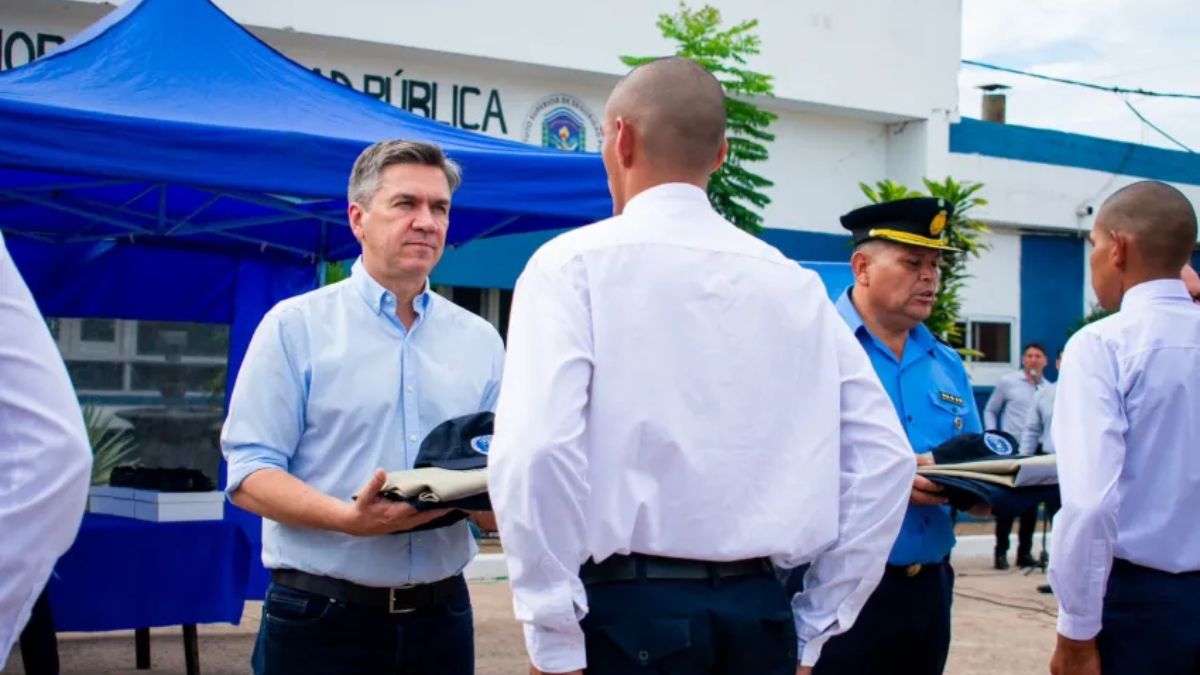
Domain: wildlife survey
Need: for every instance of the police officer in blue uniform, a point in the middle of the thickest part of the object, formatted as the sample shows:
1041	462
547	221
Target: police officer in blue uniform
904	628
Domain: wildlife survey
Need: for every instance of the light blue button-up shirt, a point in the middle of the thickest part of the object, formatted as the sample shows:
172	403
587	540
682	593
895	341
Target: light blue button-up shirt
333	387
932	396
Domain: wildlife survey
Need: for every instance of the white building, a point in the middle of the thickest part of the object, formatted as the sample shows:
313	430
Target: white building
864	91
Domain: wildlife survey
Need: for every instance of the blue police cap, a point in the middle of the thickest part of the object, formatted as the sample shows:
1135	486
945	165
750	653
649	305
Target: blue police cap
976	447
458	444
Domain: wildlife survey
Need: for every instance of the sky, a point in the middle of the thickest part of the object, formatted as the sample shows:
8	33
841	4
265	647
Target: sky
1146	44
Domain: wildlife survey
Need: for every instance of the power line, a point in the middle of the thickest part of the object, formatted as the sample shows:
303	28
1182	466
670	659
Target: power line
1153	126
1077	83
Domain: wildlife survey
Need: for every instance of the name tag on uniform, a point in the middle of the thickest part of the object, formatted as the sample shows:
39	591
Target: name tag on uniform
950	398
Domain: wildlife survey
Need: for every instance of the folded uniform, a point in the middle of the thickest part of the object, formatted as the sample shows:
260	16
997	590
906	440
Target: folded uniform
450	471
975	468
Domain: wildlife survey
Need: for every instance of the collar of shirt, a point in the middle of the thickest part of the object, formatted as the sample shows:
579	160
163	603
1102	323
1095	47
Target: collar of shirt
381	300
1148	292
684	195
919	335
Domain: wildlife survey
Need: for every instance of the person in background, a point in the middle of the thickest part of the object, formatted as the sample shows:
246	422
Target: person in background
45	458
1126	563
1007	409
1037	440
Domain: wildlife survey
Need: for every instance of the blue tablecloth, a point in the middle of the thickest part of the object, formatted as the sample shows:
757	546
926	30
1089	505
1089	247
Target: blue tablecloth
123	573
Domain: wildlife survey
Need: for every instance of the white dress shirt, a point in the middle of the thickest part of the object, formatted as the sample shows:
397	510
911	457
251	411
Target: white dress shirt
1126	425
45	460
677	387
1037	423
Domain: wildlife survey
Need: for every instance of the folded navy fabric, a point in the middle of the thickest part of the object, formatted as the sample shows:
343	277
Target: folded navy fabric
963	493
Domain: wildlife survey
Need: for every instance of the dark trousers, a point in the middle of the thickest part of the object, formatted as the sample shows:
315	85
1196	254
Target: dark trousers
730	626
308	633
1028	523
904	629
39	644
1151	622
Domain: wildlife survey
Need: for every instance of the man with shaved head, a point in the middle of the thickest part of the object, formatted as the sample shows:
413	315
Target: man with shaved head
1126	565
651	462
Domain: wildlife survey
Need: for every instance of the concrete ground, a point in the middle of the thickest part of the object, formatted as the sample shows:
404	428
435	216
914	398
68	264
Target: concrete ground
1001	626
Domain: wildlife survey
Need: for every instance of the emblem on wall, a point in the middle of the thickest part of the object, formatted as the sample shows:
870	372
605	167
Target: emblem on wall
563	122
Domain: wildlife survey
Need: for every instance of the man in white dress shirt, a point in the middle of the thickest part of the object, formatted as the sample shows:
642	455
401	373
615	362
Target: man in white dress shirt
45	460
1126	563
683	407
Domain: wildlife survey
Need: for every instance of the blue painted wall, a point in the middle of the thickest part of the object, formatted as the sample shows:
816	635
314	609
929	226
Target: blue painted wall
1051	290
1045	146
496	262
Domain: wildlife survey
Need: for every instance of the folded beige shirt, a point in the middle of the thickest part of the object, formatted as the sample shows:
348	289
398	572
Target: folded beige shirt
431	484
1022	471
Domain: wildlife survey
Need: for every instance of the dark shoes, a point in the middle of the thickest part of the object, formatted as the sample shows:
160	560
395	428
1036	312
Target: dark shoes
1001	561
1045	588
1024	560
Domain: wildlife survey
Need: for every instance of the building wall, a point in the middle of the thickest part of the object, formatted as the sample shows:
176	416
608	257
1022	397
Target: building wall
1045	179
819	156
821	51
1043	188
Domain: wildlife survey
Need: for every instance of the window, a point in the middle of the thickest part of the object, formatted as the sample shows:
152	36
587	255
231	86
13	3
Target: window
492	304
159	385
144	358
193	339
991	337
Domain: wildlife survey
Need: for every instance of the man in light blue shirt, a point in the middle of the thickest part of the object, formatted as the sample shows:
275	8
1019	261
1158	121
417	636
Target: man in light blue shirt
339	385
1008	409
904	629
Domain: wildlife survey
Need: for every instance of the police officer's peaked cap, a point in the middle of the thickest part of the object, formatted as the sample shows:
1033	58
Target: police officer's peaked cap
919	221
459	444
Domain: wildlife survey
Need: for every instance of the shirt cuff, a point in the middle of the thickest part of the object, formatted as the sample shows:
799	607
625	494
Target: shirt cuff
555	651
810	651
251	460
1077	626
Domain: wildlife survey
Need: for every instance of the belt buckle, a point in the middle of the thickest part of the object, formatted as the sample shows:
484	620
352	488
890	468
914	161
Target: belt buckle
392	600
913	569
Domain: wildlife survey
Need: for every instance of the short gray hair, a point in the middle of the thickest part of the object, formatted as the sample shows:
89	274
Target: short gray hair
364	177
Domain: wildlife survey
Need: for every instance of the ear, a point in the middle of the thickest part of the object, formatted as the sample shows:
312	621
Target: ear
860	264
1120	250
624	142
721	155
354	213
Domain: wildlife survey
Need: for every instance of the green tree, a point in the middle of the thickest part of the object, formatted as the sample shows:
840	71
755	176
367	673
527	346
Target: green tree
736	192
963	232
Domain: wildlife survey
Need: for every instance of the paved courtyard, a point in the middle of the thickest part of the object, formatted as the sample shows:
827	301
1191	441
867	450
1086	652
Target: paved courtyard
1001	626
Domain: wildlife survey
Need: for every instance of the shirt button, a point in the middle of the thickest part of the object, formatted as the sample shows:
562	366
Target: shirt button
410	389
412	438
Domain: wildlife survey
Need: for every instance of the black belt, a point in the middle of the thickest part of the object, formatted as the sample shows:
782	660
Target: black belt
910	571
636	566
399	600
1127	566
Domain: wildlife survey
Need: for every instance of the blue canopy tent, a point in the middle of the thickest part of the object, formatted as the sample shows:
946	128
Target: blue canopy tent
165	164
